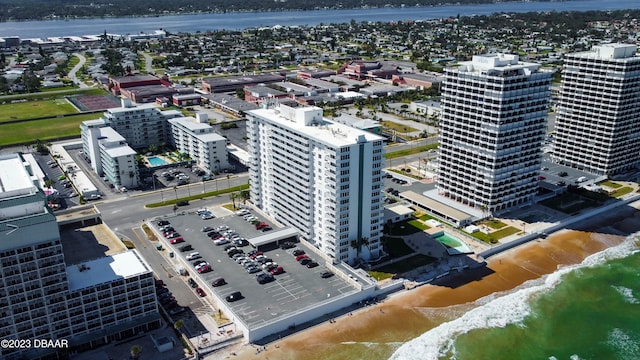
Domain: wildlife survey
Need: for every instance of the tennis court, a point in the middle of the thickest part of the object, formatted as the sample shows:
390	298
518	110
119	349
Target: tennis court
95	102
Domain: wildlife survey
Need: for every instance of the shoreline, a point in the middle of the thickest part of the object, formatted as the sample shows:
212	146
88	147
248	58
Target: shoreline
376	331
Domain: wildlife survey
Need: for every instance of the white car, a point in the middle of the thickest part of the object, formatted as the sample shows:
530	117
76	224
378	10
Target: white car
193	256
221	241
222	228
201	265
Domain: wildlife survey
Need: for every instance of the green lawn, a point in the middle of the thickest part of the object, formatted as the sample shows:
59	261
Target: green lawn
410	151
621	191
610	184
407	228
397	127
48	129
494	224
198	196
35	109
50	95
495	236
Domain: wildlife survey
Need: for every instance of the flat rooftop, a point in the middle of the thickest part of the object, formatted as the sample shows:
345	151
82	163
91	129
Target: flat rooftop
326	131
14	178
106	269
80	244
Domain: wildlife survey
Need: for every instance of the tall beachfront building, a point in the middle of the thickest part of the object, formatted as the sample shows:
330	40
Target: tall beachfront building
598	124
43	297
494	111
320	177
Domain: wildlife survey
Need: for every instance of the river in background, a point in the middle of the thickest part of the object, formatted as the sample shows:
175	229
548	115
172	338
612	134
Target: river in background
236	21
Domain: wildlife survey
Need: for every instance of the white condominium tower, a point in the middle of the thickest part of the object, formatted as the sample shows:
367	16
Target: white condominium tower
320	177
493	120
598	122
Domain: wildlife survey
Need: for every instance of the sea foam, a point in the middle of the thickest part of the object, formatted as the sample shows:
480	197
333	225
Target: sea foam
499	310
627	294
625	345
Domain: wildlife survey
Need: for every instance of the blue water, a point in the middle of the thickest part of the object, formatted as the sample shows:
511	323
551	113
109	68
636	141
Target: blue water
585	311
156	161
237	21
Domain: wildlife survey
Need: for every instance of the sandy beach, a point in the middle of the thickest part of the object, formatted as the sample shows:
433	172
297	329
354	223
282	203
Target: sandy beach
405	315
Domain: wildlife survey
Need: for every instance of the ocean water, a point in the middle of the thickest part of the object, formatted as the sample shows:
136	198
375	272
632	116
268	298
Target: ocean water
586	311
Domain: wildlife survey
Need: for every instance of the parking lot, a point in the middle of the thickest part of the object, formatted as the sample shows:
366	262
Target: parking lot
560	175
296	288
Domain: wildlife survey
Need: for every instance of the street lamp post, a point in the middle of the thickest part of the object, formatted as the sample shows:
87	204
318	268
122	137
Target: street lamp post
175	190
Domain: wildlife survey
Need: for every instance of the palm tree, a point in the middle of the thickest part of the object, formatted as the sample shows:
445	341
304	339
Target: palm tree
245	195
233	196
359	243
49	183
178	324
135	351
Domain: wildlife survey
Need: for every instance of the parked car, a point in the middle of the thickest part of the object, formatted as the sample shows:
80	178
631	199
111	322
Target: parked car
326	274
278	270
167	300
205	269
218	282
220	241
185	247
193	256
234	296
287	245
301	257
198	263
298	252
192	283
207	229
182	203
173	235
200	292
177	240
253	269
177	310
312	264
261	225
264	278
267	228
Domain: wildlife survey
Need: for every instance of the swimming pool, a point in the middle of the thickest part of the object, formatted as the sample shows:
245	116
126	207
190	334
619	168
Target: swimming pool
453	244
155	161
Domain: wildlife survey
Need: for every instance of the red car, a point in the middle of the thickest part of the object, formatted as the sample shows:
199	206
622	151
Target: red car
177	240
261	225
277	271
205	269
300	257
200	292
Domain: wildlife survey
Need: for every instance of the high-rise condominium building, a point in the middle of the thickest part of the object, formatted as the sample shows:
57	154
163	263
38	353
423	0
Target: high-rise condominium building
598	122
320	177
42	297
493	120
